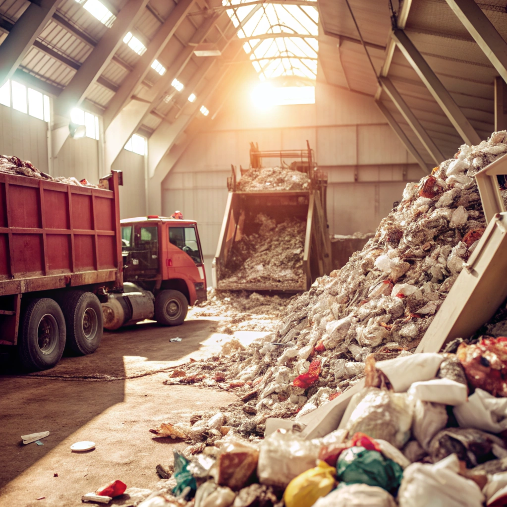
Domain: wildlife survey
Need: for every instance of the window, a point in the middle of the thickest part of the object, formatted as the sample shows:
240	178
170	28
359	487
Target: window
158	67
90	121
137	144
191	97
176	84
204	111
5	94
185	239
99	11
126	236
134	44
19	99
35	104
148	236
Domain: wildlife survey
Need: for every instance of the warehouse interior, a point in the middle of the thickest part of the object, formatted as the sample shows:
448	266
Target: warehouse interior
392	116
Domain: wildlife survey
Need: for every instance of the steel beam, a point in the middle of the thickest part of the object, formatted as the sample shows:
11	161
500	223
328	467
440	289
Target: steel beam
404	109
23	35
436	88
130	118
483	32
500	104
99	58
159	42
402	136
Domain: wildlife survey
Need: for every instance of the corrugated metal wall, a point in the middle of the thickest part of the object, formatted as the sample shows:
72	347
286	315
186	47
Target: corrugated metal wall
132	193
367	165
24	136
78	158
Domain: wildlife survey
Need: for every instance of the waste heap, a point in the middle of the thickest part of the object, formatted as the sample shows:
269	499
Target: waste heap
273	255
381	302
272	179
242	311
427	429
10	164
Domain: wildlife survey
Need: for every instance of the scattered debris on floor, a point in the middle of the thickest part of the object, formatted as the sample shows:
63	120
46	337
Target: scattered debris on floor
242	311
33	437
272	256
267	179
84	446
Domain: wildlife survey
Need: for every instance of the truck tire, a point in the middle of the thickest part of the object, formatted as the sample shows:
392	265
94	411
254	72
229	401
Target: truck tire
42	337
83	319
171	308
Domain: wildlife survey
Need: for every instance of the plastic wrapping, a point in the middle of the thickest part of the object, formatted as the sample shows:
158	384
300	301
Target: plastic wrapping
115	488
184	479
440	390
307	488
470	445
413	451
381	414
256	495
221	497
451	369
283	456
309	378
485	365
483	412
495	490
389	451
429	419
236	464
357	495
358	465
438	485
402	372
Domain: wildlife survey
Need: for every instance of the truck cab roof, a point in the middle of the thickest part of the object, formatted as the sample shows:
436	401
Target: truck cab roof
156	218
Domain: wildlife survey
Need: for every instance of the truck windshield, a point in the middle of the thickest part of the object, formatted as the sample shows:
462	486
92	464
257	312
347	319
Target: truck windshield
185	239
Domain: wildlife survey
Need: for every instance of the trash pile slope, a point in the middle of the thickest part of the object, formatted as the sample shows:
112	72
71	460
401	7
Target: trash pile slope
270	179
381	302
272	256
242	311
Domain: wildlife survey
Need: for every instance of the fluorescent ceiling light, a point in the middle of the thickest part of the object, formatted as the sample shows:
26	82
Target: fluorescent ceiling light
176	84
191	97
204	111
158	67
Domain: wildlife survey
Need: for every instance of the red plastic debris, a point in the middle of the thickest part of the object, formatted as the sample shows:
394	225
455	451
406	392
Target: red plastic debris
115	488
320	347
362	440
238	383
472	236
310	377
257	381
400	295
219	377
428	187
485	364
334	395
330	453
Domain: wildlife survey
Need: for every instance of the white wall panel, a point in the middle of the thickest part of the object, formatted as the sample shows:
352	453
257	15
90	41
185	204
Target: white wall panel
132	193
78	158
24	136
378	144
337	145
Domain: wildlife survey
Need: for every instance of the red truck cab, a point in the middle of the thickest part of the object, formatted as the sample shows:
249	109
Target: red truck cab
163	256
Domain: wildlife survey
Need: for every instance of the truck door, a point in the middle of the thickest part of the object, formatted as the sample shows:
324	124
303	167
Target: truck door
143	261
187	257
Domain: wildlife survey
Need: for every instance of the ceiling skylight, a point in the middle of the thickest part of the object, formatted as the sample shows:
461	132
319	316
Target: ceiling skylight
134	43
282	38
98	10
158	67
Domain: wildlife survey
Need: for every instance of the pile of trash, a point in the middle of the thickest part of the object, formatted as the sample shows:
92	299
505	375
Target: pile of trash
271	256
426	429
273	179
10	164
242	311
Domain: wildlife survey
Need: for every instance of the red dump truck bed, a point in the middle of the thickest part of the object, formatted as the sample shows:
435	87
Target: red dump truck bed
55	236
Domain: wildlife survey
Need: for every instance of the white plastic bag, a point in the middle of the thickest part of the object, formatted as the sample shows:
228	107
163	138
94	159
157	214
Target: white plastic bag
403	371
429	419
356	495
439	390
496	487
439	485
483	411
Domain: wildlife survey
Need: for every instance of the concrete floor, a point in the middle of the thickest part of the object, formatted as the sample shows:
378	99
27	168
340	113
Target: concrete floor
112	397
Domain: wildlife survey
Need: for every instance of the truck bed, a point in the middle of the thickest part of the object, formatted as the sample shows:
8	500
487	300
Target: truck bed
54	235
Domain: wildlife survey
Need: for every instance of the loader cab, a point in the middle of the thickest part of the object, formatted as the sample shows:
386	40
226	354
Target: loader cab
161	253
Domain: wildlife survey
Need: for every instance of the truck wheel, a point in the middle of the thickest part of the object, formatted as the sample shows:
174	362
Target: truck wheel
171	308
42	335
83	318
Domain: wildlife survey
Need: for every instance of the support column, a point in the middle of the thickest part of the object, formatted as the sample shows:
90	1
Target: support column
500	104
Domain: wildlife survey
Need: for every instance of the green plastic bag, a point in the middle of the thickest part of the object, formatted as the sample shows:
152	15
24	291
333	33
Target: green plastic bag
183	477
357	465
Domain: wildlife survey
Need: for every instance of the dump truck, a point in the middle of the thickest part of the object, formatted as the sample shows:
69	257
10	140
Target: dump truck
63	258
285	213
